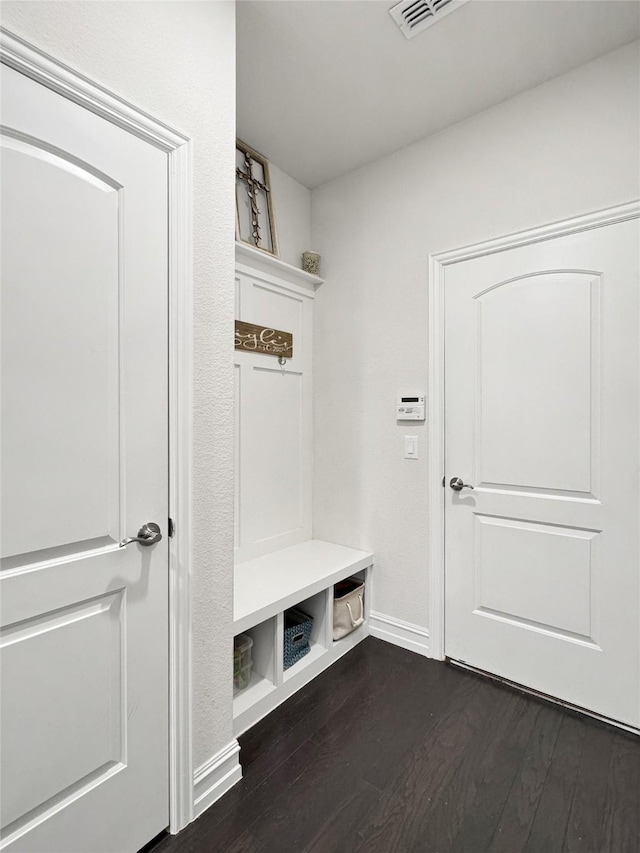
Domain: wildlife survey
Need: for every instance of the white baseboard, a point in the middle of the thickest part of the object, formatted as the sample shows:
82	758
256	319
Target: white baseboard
215	777
400	633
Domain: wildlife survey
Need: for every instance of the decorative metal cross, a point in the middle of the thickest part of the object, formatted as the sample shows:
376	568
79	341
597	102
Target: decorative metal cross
253	184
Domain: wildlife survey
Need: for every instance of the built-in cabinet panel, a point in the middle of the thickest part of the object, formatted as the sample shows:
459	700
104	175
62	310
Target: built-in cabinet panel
277	564
273	417
272	454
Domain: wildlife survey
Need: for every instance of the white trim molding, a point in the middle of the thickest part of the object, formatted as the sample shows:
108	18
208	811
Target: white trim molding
261	261
400	633
44	69
216	776
180	491
39	66
437	268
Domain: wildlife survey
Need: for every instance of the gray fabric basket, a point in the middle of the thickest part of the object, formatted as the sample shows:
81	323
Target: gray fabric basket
297	634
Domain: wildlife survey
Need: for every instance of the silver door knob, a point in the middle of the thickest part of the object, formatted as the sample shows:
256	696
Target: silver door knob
148	534
457	485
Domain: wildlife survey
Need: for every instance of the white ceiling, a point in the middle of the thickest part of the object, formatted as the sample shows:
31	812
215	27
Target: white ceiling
325	86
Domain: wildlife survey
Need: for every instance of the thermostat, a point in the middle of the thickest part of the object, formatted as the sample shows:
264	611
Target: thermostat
410	407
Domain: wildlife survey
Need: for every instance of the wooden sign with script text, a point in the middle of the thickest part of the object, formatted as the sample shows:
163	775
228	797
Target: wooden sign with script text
252	338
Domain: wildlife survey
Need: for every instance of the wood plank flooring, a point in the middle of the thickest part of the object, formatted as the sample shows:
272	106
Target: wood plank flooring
388	752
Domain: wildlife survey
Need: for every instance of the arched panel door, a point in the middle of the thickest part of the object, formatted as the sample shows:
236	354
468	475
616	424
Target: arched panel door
542	419
84	464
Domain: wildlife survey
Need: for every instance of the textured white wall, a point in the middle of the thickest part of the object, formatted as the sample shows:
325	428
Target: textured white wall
292	210
562	149
176	60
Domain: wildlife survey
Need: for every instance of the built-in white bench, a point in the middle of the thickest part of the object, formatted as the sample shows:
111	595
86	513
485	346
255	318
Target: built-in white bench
301	575
274	488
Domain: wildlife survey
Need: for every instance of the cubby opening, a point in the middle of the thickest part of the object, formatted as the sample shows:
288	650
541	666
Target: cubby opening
316	606
358	633
264	672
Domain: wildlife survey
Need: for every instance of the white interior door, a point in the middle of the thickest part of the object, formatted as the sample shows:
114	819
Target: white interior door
84	463
542	418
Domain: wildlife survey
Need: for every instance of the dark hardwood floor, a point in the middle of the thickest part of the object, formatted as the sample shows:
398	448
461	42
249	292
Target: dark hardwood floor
388	752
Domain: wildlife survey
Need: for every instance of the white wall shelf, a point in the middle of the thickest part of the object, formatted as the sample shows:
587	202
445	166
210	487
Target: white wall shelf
266	263
302	575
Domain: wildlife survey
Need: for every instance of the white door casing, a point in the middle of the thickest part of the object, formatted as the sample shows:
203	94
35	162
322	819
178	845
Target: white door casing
51	596
540	345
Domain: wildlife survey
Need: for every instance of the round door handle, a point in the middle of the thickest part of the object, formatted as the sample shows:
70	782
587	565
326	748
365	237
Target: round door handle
148	534
458	485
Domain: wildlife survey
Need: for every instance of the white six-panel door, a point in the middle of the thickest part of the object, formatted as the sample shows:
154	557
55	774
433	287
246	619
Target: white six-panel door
542	419
84	464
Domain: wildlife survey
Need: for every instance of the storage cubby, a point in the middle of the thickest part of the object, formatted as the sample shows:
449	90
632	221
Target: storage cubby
300	576
351	639
316	606
263	673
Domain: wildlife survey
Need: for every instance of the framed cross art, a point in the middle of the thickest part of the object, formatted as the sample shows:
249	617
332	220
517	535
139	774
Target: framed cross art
255	223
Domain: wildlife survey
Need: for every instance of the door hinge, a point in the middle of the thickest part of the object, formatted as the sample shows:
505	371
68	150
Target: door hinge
172	528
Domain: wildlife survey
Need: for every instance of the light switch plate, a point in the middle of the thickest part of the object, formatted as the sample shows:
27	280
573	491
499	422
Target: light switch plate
411	447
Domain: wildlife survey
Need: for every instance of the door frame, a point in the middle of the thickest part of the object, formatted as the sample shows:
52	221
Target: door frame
43	68
437	272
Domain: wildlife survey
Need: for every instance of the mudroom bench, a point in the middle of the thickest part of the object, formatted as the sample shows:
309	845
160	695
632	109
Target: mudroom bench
303	576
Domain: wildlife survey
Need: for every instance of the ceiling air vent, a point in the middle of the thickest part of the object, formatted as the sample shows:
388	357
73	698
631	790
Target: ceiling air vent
414	16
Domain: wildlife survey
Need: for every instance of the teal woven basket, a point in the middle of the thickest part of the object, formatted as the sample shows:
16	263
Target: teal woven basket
297	636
